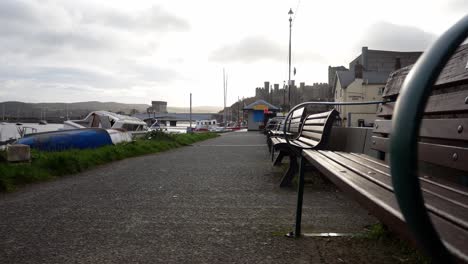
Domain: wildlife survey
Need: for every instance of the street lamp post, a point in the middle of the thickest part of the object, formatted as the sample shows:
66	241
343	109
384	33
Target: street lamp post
290	13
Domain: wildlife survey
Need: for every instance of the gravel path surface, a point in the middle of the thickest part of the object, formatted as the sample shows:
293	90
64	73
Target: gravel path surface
215	202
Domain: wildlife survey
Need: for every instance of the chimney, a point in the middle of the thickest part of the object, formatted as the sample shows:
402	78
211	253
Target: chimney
364	57
397	63
358	70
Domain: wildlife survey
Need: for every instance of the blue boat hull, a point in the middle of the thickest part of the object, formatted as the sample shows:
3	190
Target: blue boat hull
68	139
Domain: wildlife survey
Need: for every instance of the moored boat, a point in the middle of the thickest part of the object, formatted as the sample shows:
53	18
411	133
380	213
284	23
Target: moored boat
205	125
108	120
68	139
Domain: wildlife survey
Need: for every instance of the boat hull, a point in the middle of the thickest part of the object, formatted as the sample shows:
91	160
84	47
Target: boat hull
68	139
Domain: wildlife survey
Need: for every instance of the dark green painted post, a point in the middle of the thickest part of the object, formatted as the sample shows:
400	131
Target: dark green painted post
403	142
300	197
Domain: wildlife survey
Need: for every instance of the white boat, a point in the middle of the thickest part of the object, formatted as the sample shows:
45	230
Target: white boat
206	125
108	120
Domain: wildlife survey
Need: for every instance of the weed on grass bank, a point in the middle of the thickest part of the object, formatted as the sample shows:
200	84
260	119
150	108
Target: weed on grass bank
49	165
402	251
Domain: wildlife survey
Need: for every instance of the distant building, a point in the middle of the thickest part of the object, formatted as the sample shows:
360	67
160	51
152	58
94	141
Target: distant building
263	92
157	107
258	112
365	81
384	60
280	96
172	119
350	87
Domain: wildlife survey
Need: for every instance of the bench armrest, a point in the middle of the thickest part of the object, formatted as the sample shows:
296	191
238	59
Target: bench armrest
403	142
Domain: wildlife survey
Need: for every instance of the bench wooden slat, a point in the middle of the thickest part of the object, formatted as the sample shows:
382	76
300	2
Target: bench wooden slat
312	135
295	121
440	103
320	121
433	128
276	140
382	202
318	129
279	133
298	113
445	207
295	142
444	155
300	144
455	191
310	142
318	116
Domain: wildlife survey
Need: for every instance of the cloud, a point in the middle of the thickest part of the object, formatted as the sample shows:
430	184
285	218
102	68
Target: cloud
37	28
249	49
132	74
258	48
152	19
457	5
387	36
54	49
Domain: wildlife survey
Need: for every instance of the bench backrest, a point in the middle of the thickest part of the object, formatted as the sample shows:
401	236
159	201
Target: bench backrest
279	125
444	130
316	129
294	122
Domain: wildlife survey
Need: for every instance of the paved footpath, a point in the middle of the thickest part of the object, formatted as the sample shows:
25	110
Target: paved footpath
217	201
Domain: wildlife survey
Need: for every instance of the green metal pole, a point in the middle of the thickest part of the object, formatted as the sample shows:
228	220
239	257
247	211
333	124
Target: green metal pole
300	197
403	142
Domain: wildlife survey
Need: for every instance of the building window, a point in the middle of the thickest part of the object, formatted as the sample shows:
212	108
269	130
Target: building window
381	90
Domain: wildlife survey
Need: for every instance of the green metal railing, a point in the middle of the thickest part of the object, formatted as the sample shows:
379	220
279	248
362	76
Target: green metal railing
403	142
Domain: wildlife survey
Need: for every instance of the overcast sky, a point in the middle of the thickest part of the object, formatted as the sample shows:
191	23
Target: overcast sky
138	51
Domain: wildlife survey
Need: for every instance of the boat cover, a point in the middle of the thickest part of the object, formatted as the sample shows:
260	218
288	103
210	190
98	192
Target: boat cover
68	139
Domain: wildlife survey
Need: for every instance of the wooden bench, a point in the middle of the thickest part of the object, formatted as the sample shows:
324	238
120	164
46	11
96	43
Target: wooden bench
309	131
278	131
439	224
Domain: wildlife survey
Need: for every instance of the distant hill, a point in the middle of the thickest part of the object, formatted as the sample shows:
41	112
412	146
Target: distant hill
13	110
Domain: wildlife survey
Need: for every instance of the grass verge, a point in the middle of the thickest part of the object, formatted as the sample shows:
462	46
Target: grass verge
379	234
49	165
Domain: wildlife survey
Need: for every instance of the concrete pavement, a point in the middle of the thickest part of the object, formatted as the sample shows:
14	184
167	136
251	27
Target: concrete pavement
217	201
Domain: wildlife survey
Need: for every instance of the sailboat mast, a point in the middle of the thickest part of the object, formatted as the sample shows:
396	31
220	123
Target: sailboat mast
225	100
224	90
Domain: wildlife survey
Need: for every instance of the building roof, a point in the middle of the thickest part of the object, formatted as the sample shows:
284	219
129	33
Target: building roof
345	78
370	77
384	60
261	102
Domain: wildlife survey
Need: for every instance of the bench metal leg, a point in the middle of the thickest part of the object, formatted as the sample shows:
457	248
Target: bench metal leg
289	175
300	196
279	158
